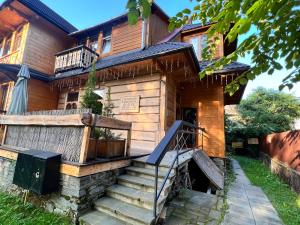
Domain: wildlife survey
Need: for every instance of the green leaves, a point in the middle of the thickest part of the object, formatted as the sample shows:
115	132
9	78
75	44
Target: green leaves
269	28
137	8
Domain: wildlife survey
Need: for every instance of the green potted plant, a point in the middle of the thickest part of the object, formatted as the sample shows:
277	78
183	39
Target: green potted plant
91	101
109	145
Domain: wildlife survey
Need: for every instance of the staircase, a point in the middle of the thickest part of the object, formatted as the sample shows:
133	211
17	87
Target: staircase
130	201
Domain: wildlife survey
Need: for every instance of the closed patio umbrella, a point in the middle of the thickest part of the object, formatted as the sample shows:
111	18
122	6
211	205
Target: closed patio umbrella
19	102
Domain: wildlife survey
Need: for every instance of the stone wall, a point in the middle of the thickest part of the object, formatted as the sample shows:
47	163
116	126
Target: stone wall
76	195
287	174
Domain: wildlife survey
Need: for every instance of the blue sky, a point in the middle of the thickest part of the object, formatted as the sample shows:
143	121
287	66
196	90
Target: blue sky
83	14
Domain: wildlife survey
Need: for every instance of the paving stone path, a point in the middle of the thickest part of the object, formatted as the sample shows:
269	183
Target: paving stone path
248	204
194	208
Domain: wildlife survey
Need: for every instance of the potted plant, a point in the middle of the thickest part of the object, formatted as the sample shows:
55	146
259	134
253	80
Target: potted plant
109	145
91	101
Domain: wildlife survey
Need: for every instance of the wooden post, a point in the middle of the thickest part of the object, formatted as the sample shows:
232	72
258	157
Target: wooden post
4	135
85	144
128	143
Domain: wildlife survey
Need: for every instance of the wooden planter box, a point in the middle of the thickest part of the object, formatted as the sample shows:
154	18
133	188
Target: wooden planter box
110	148
92	150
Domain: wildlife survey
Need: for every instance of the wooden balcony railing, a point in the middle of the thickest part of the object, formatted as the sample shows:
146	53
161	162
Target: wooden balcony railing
74	58
11	58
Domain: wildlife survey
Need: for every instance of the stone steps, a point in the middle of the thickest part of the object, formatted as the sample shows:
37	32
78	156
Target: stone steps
134	196
148	173
130	201
141	183
98	218
124	211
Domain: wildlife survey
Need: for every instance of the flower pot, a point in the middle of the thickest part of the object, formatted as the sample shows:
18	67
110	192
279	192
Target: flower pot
92	150
110	148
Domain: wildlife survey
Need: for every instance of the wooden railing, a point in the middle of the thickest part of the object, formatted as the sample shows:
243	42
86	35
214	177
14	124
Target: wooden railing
74	58
66	134
181	137
11	58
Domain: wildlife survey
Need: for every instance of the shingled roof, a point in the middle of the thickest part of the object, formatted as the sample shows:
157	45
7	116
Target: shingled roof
229	68
44	11
134	56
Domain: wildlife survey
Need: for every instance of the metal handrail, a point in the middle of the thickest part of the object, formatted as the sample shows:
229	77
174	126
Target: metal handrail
175	133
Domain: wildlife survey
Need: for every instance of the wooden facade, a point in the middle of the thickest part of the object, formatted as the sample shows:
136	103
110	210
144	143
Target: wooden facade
162	95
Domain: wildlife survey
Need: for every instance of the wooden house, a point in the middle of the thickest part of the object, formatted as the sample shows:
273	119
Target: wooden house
143	64
152	75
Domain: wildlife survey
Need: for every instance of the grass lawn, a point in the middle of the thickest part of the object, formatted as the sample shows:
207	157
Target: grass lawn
14	212
285	201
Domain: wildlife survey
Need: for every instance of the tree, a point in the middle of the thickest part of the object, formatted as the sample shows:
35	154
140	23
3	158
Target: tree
90	99
277	35
264	112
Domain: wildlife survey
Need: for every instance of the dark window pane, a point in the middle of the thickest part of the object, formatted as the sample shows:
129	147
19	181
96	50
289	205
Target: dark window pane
72	97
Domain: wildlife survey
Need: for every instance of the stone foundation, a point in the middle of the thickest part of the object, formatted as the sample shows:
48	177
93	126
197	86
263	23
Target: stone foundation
287	174
76	195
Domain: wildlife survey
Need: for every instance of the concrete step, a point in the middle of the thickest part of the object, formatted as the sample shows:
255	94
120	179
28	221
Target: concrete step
148	173
141	183
99	218
123	211
166	162
134	196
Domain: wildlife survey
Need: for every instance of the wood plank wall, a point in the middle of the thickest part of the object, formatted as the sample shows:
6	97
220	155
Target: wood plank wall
125	37
210	105
146	123
40	96
158	29
42	43
170	102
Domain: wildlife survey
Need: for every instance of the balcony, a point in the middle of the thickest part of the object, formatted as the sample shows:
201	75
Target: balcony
74	58
11	58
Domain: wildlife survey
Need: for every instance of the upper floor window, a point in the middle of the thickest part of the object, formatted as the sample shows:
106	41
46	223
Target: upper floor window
18	39
199	43
94	45
7	46
106	42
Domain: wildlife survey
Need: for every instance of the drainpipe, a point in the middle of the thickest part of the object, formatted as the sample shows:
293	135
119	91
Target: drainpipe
145	33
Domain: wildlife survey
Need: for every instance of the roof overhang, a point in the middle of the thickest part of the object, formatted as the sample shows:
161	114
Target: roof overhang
36	7
10	71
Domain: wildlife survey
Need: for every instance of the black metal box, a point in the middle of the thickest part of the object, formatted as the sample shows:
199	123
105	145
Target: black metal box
38	171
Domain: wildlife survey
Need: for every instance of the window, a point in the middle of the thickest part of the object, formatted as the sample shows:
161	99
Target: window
18	40
199	43
106	42
94	45
72	100
7	49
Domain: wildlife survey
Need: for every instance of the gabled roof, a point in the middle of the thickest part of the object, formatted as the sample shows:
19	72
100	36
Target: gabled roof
44	11
135	56
11	70
122	18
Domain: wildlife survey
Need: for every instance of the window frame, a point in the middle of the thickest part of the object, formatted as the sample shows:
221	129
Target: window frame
200	45
105	39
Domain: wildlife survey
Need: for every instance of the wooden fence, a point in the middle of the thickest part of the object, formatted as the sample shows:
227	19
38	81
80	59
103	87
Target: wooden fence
62	131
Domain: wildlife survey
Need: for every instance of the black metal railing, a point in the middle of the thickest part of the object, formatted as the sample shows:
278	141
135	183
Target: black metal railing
182	138
74	58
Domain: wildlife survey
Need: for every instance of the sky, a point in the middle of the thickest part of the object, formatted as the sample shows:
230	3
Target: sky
86	13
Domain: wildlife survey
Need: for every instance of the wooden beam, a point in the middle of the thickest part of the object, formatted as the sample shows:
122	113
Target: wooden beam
85	144
76	170
105	122
159	64
43	120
